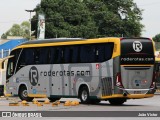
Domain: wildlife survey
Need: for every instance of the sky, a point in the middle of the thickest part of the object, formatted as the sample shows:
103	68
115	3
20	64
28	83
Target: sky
13	12
151	17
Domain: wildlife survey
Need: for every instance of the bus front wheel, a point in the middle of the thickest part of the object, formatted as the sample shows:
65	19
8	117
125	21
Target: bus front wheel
118	101
23	94
84	95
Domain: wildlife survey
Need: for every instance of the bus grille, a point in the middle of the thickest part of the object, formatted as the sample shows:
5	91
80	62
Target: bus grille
106	86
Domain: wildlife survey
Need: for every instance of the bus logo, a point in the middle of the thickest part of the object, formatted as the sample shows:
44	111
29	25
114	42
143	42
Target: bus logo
137	46
33	76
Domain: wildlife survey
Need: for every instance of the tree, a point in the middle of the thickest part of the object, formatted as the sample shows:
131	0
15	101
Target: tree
25	29
4	36
15	30
156	39
18	30
89	18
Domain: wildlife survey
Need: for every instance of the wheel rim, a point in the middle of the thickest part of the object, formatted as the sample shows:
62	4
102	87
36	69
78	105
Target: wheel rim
84	95
24	93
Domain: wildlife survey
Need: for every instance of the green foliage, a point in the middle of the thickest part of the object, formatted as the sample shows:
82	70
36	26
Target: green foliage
25	29
157	40
4	36
15	30
89	18
18	30
157	44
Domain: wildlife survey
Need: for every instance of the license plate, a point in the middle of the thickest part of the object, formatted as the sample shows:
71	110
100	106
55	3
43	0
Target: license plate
137	92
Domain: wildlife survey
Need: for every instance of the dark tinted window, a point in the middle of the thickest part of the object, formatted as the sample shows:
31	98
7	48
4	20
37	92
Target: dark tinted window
87	53
137	51
59	54
96	52
56	55
80	53
12	62
26	58
66	54
128	46
52	55
75	54
44	55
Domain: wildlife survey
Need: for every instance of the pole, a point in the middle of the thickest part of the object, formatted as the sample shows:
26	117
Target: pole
2	53
30	27
30	23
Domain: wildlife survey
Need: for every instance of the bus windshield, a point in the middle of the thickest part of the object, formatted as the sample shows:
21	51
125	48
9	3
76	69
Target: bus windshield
137	51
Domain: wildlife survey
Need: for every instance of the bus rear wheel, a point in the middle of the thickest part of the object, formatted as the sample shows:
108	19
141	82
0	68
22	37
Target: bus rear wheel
23	94
84	95
118	101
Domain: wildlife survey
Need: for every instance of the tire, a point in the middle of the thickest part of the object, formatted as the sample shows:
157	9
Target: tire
23	95
53	99
118	101
84	95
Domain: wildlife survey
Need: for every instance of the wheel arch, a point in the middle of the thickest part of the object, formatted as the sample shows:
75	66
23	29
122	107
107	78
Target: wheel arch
22	84
81	86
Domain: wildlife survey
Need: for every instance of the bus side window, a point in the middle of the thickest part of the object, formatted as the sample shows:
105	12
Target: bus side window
104	52
12	63
26	58
21	62
108	50
29	57
52	55
87	54
59	54
36	53
100	53
67	54
91	54
43	56
83	54
10	68
75	54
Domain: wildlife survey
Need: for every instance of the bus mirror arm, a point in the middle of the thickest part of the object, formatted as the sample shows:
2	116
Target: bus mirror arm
2	60
2	65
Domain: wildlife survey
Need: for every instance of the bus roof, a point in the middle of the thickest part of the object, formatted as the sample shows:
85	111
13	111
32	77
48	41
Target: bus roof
65	41
53	40
135	38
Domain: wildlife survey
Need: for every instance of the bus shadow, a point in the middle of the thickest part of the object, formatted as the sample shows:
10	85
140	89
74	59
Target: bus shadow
123	105
101	104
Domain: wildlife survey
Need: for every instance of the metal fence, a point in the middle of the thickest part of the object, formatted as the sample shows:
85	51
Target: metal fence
4	53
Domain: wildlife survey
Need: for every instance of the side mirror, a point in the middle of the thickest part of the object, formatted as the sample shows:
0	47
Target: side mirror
3	60
1	64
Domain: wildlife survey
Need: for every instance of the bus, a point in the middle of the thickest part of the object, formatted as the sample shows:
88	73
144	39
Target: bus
3	75
157	69
2	79
113	69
